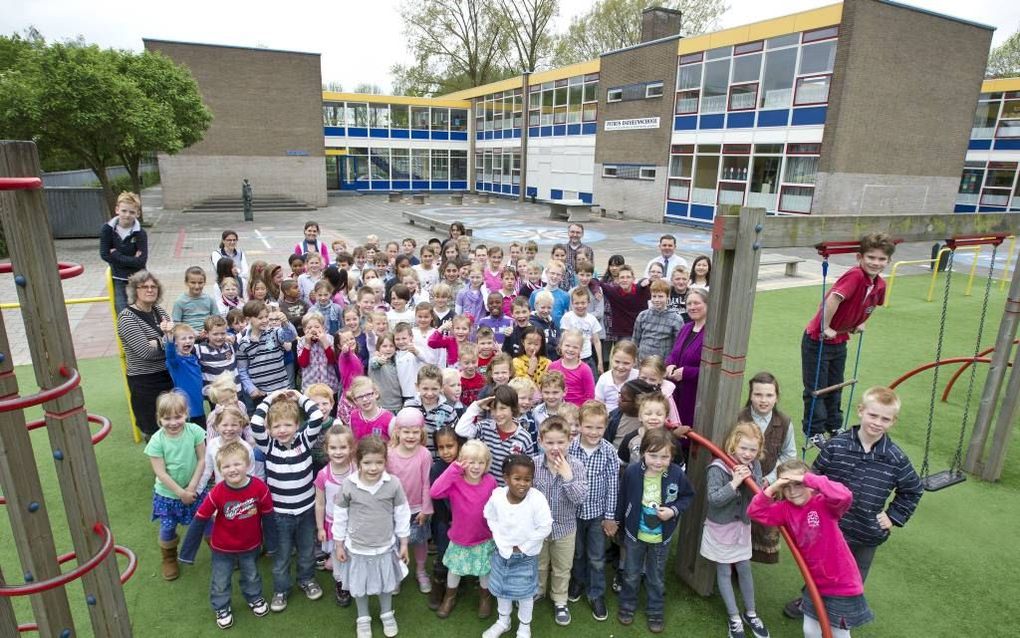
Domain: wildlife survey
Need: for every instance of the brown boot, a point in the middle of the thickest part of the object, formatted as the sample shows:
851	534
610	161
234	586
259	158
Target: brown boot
437	593
171	570
484	603
449	602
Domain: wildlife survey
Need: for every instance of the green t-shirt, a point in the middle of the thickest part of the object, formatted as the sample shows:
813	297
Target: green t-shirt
650	527
178	453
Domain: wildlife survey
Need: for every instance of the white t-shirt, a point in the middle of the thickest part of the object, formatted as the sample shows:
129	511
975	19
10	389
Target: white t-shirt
427	278
608	392
674	261
588	325
394	317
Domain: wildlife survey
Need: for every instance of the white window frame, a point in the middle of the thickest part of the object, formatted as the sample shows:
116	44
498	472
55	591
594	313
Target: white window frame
609	170
653	86
618	93
646	172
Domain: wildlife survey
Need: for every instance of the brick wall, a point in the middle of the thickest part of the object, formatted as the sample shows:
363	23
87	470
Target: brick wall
188	179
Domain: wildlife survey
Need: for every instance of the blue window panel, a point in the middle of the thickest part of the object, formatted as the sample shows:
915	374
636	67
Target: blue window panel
380	184
458	185
418	134
487	186
809	115
478	186
700	211
479	135
555	193
991	209
420	184
1007	145
773	118
400	133
441	186
401	184
589	129
357	132
506	188
573	129
460	136
685	123
379	132
964	208
547	131
517	133
740	120
336	131
440	135
497	134
516	190
533	131
585	197
352	186
979	145
676	209
712	121
560	129
532	191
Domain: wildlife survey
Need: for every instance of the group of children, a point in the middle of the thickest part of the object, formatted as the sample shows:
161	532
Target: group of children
420	418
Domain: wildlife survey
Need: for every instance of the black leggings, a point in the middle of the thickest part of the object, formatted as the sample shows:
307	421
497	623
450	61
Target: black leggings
145	389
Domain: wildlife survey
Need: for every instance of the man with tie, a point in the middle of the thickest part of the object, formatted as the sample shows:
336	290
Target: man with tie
667	257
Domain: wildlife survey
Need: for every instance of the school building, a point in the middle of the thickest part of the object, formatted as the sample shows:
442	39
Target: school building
866	106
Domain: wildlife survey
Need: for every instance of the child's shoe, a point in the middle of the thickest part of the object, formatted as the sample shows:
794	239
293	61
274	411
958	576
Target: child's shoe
259	607
341	595
279	602
169	550
498	628
524	630
656	625
736	629
311	589
424	583
449	602
484	603
437	594
561	615
364	627
224	618
757	626
389	624
322	561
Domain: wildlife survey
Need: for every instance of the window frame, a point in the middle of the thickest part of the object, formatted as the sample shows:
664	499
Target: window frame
614	94
652	86
642	172
729	97
680	96
684	182
802	78
782	189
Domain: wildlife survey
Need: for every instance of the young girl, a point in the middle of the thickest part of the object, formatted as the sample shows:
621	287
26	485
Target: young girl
467	484
339	445
451	336
297	266
352	323
499	431
726	539
621	370
177	454
230	295
652	412
533	363
315	355
410	462
422	331
447	445
442	296
579	381
230	425
311	276
508	289
499	372
322	303
653	371
368	418
520	519
810	505
471	300
382	370
653	495
494	269
701	271
371	524
258	291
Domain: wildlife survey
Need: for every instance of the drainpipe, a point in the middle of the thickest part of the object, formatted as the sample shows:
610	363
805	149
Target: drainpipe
525	108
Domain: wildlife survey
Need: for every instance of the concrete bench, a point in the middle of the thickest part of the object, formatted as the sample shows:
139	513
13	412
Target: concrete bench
418	198
483	198
432	223
395	197
782	260
571	210
457	199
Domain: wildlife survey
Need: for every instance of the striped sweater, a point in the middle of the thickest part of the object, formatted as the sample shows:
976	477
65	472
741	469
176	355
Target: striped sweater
215	361
289	472
260	359
136	334
472	426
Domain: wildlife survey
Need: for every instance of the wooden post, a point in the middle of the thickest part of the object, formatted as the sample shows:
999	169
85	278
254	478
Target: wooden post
29	238
8	621
30	521
721	377
1004	425
993	382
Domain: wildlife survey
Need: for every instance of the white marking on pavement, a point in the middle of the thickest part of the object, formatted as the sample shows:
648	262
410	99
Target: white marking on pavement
262	238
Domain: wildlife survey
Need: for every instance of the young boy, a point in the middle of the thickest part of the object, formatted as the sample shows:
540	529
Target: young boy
471	383
596	516
579	319
238	504
656	328
870	465
526	391
521	315
442	303
680	281
626	301
586	281
185	370
452	390
406	360
530	249
408	246
561	300
485	340
496	321
432	405
553	388
260	350
279	320
290	479
322	394
543	320
862	289
360	255
561	479
236	323
292	304
193	306
216	355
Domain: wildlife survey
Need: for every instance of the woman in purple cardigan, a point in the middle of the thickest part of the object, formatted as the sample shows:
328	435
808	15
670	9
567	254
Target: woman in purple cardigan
683	362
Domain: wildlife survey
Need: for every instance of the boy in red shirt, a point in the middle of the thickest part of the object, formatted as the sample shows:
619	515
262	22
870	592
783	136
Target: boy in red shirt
848	304
239	502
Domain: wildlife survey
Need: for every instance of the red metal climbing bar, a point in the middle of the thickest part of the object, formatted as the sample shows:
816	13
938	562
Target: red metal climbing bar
59	581
934	364
975	240
828	248
963	368
20	183
66	269
20	403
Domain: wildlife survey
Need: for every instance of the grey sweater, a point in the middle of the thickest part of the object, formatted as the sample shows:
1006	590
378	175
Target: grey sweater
725	504
655	332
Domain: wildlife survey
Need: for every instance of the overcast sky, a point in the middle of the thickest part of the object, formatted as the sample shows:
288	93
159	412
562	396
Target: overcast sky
359	41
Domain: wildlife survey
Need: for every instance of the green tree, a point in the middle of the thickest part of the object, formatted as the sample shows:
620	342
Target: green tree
615	24
527	26
1004	60
369	89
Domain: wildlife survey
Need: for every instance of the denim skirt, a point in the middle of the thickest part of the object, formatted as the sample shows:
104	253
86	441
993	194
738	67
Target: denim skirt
845	612
514	578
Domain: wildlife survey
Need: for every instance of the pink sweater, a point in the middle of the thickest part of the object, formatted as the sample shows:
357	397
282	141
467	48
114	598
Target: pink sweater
467	502
348	366
815	529
580	383
413	474
438	340
380	425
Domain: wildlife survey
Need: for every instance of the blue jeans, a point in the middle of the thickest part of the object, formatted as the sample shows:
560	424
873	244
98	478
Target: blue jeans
589	567
649	558
223	565
294	531
120	300
827	416
863	555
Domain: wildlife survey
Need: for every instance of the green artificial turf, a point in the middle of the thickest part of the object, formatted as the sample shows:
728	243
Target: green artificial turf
950	572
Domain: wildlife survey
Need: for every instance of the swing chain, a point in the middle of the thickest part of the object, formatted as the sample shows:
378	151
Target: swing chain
938	358
958	456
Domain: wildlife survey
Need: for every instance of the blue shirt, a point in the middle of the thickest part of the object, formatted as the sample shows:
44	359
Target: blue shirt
187	375
561	303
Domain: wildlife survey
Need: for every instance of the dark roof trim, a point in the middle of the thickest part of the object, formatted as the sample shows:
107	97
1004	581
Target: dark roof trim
227	46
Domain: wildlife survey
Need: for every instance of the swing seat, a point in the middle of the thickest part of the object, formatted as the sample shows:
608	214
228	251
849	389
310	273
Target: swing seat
941	480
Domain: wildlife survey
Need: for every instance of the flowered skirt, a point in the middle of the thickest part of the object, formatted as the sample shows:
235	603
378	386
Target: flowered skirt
475	560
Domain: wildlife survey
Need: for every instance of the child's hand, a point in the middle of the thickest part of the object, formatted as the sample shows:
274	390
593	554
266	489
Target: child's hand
202	335
339	552
422	519
829	333
167	326
609	528
509	330
884	521
322	535
188	497
403	551
231	339
257	394
740	473
410	348
561	466
665	513
445	328
680	431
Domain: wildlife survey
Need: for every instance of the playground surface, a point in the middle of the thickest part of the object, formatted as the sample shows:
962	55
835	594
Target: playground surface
948	573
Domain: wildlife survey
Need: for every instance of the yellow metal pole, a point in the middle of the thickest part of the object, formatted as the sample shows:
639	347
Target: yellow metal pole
973	269
69	302
1005	268
890	282
935	272
136	433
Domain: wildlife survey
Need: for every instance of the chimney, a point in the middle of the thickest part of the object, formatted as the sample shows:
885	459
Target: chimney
659	22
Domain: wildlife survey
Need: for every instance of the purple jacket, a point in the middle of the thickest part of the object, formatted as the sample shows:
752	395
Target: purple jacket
688	358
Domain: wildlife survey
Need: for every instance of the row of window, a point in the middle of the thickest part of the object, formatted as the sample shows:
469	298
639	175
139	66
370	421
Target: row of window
628	171
989	184
498	166
394	116
767	74
742	174
997	115
641	91
402	164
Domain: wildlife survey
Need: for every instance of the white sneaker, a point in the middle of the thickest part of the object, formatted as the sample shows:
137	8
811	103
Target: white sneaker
389	624
364	627
497	629
524	630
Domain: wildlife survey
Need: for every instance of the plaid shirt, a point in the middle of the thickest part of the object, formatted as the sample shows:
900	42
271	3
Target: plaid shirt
565	497
602	468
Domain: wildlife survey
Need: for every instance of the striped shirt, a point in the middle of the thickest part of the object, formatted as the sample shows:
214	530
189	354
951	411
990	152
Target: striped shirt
436	418
602	469
260	360
471	426
136	334
289	472
564	497
215	361
872	477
